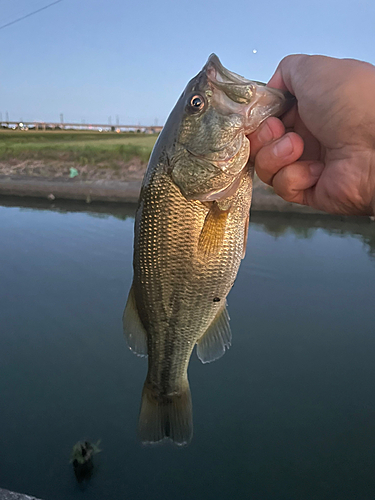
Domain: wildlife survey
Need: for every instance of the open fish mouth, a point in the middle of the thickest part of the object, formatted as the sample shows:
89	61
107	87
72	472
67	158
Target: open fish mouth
251	99
236	87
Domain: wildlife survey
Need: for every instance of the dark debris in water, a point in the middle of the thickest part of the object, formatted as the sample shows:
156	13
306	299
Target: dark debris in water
82	459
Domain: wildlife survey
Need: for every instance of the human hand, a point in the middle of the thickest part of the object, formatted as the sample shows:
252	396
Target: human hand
322	153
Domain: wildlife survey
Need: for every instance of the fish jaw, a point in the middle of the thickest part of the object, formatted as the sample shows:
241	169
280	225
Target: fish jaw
267	102
251	99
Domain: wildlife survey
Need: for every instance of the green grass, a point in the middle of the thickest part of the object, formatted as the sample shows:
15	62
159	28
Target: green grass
77	146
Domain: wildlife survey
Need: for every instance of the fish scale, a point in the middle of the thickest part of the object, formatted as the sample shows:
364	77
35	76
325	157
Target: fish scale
170	271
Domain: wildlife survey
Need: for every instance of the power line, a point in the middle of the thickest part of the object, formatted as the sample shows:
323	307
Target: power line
31	14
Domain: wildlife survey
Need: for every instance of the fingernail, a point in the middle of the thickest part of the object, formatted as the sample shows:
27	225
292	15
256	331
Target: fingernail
265	134
316	169
284	147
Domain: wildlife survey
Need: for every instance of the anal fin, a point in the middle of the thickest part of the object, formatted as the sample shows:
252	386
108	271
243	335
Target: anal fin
134	330
216	339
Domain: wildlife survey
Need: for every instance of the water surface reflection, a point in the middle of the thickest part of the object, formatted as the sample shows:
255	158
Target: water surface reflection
287	413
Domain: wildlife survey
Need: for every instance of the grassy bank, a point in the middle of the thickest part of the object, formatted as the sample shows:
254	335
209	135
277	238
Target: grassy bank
84	147
95	155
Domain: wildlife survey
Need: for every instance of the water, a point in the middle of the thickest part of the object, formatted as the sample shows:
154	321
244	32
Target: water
287	413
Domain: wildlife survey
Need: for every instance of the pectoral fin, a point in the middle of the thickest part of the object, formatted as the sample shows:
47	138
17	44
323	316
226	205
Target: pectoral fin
216	339
213	231
134	330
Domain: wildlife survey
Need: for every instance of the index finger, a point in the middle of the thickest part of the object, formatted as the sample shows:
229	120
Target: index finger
270	130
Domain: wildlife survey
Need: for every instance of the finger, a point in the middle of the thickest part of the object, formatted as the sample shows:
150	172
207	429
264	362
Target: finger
287	72
270	130
277	81
289	118
276	155
293	181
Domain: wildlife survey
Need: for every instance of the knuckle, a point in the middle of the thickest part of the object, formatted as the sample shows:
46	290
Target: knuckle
263	176
284	182
279	188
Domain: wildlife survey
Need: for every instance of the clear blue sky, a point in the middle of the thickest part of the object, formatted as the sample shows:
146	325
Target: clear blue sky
93	59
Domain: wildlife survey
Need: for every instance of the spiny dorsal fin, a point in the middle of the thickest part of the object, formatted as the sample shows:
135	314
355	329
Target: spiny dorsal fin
216	339
213	231
134	330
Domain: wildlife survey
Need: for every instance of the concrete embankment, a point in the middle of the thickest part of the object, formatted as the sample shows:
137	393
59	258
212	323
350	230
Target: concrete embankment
121	192
11	495
71	189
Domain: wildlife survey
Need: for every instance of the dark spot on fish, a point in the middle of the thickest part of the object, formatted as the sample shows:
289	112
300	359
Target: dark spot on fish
216	299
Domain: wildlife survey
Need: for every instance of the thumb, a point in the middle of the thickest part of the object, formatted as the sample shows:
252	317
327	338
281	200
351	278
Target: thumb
286	74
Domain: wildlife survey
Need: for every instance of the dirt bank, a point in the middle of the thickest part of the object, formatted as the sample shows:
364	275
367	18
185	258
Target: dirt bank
98	183
118	191
61	169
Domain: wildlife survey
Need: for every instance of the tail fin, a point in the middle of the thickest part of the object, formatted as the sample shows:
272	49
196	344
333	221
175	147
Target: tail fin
164	417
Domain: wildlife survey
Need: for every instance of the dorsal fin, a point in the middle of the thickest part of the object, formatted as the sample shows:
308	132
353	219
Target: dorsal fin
216	339
134	330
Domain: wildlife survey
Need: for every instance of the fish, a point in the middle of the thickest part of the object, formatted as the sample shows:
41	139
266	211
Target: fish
190	235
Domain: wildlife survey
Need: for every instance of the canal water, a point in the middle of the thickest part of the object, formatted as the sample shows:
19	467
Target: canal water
287	413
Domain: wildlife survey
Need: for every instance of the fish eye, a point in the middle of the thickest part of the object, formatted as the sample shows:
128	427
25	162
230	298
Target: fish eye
196	102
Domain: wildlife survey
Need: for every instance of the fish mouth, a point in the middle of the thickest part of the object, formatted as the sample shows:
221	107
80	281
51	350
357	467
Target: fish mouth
251	99
216	72
236	87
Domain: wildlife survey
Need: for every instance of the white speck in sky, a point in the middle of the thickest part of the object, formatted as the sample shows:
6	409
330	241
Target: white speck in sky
255	51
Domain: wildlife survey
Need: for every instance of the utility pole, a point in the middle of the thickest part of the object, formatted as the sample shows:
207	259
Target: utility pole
117	120
61	118
7	117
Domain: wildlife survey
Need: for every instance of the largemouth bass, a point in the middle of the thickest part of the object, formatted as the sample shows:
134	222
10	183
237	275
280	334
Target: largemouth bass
190	236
